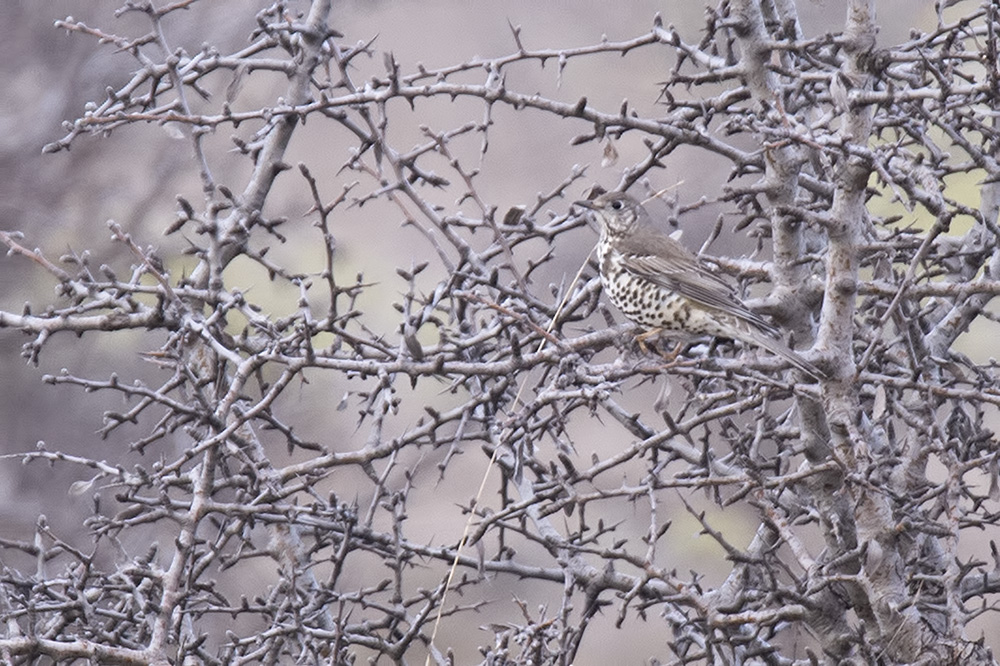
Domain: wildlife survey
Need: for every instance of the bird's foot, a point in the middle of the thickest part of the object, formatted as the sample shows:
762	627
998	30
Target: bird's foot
669	357
642	337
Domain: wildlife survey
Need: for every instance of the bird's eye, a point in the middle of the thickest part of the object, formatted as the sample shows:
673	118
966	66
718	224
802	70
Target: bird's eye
617	205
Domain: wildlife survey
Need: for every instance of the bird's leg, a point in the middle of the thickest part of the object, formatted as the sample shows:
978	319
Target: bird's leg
669	358
642	337
672	356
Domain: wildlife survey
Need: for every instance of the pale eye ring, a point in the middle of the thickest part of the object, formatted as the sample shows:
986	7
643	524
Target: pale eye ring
617	205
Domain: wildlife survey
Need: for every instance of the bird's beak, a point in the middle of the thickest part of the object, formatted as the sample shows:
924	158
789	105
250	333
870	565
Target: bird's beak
591	220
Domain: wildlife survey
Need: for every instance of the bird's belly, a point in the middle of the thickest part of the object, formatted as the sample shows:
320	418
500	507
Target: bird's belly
652	306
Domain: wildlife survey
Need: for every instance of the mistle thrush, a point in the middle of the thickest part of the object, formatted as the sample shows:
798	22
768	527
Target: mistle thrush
661	285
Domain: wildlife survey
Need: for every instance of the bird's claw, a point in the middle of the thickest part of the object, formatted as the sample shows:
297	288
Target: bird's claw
669	358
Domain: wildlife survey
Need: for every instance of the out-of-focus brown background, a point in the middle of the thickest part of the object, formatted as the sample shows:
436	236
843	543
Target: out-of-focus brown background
62	202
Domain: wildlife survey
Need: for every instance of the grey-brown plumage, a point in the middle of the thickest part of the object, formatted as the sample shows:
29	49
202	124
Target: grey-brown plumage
661	285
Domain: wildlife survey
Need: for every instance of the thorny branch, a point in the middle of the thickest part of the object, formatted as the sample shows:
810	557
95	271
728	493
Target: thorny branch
842	152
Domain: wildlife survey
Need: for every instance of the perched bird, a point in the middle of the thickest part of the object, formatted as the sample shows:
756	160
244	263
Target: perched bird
661	285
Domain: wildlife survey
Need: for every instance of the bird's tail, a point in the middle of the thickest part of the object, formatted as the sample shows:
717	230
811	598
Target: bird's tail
781	349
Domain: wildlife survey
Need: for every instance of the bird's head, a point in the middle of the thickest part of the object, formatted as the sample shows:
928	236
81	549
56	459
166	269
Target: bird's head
617	213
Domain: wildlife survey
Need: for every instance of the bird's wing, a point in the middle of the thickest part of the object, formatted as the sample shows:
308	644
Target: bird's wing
666	262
